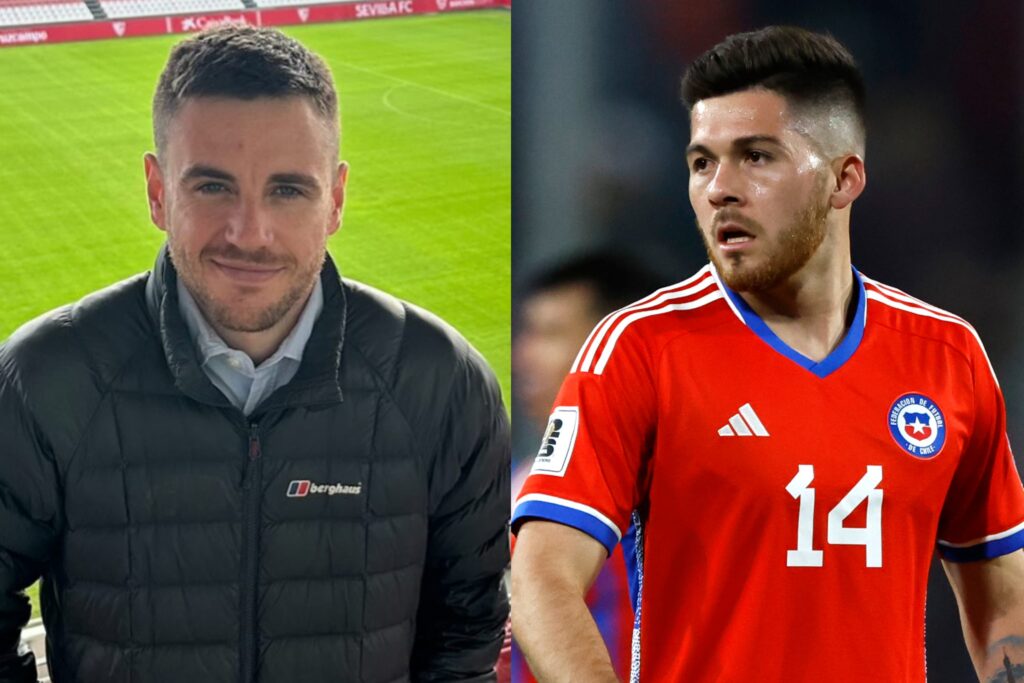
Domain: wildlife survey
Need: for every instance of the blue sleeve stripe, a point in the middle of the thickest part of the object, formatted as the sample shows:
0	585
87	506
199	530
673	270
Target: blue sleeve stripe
631	553
578	519
983	551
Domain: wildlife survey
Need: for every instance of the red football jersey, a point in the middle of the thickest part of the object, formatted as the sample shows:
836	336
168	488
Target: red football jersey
786	509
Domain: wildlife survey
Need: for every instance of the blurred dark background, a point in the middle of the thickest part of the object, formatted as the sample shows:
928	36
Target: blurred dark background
599	133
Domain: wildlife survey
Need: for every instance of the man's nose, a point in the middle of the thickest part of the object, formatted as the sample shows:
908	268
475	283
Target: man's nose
249	224
725	188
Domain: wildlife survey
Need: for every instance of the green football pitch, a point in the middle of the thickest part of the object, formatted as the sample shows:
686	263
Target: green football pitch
426	121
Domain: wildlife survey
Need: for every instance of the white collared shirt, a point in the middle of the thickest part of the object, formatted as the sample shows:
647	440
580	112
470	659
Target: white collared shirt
232	371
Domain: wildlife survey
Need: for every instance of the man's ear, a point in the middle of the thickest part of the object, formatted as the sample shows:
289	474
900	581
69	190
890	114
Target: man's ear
850	180
155	191
338	198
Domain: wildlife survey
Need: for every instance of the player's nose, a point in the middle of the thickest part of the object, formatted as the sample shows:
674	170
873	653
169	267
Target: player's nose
725	187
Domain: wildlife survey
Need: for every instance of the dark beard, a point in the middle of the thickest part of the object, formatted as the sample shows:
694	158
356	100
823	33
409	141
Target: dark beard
228	316
794	247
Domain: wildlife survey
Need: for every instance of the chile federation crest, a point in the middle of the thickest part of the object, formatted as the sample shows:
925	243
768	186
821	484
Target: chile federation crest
917	425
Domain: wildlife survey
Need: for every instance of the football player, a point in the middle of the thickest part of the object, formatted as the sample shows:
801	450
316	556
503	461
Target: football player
790	439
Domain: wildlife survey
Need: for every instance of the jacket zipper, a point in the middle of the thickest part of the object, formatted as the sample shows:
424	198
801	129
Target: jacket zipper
251	494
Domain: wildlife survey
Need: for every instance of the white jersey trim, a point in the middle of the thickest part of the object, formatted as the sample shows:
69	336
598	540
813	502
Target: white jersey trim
728	299
585	357
900	295
639	315
554	500
932	312
984	539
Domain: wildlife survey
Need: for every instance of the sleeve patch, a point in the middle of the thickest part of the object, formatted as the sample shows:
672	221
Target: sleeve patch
559	438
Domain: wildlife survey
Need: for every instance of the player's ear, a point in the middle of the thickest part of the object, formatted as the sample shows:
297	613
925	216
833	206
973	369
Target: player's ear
338	197
155	191
850	179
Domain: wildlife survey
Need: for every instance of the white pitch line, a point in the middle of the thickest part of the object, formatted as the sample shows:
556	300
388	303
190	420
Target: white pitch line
386	99
438	91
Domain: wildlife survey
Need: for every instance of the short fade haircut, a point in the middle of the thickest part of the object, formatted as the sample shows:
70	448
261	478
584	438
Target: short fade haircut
242	62
812	71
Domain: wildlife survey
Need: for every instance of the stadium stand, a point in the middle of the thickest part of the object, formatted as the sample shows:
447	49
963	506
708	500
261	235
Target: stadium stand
122	9
26	12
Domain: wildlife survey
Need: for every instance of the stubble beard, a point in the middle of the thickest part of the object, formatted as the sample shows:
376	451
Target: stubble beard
237	315
793	248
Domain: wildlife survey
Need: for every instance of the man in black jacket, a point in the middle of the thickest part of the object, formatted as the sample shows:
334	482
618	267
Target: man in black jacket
241	467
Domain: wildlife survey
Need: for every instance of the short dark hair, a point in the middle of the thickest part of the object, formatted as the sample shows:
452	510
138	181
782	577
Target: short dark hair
615	279
808	69
242	62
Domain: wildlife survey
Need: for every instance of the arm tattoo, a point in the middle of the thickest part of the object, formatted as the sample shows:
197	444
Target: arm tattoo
1006	661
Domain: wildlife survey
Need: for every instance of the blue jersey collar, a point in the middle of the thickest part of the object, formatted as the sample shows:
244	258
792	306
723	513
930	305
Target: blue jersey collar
829	364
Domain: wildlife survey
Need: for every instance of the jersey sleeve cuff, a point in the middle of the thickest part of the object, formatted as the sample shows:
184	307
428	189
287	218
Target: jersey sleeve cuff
570	513
985	548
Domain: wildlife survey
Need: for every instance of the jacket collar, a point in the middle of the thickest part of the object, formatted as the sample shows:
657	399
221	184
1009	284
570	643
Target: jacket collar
317	380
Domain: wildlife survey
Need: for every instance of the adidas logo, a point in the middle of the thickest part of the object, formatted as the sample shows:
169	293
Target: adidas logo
744	423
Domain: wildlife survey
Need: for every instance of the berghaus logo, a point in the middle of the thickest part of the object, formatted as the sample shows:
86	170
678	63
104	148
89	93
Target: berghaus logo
300	488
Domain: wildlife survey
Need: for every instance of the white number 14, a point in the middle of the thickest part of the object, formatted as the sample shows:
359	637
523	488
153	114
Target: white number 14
870	536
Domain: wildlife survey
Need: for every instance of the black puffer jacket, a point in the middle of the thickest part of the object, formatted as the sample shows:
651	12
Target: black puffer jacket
172	534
